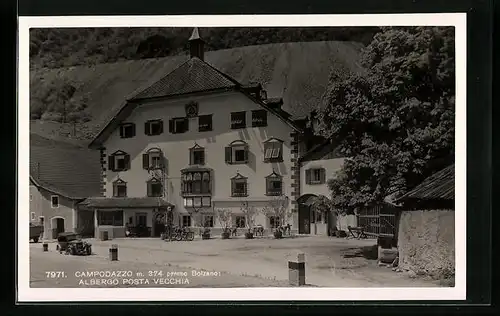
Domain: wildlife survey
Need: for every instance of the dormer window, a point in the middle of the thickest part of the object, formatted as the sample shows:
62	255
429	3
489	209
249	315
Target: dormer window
127	130
273	150
259	118
196	155
119	188
239	186
274	184
178	125
153	159
153	127
237	152
119	161
205	123
155	188
238	120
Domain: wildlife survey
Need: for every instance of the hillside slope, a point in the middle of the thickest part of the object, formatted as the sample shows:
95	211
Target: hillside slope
298	72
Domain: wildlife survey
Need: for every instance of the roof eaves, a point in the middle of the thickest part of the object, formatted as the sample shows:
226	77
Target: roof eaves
314	149
44	186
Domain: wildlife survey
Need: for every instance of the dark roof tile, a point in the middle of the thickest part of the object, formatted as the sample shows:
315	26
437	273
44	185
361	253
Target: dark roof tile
74	173
439	186
192	76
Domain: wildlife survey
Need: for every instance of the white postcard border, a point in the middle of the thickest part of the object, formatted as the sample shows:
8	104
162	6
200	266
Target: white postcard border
27	294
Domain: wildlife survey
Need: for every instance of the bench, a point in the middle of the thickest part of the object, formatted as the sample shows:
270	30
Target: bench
356	232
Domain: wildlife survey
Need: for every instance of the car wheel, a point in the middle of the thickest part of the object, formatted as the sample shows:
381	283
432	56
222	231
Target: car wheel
35	239
89	251
57	247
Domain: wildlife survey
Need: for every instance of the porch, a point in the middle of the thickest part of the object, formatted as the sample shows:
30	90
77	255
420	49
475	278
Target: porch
123	217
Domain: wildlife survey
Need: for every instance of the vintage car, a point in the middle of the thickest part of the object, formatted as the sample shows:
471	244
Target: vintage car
35	232
72	244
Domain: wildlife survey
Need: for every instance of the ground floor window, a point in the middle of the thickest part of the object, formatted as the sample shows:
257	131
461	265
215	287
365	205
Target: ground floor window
208	221
186	221
274	221
110	218
240	222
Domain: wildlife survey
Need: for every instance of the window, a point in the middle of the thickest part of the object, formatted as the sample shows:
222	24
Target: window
238	120
178	125
315	176
237	152
153	159
273	150
196	182
153	127
119	188
239	185
41	219
33	216
186	221
208	221
205	123
274	221
110	218
240	222
274	185
198	201
119	161
54	201
31	196
127	130
155	188
196	155
259	118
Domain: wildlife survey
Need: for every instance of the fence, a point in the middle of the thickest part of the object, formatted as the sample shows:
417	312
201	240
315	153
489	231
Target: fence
378	220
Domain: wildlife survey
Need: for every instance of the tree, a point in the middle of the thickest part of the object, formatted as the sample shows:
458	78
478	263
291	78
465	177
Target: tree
395	121
278	208
224	218
250	212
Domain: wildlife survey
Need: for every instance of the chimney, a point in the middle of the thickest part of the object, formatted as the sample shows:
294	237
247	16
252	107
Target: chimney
196	45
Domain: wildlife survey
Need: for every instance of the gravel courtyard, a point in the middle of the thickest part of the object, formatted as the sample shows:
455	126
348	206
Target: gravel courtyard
230	263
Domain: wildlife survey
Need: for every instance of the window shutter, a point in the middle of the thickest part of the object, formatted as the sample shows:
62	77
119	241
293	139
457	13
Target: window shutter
308	176
232	187
146	128
267	186
228	154
323	175
245	193
114	189
133	130
202	160
111	163
121	131
191	157
246	154
161	126
145	161
186	124
149	188
126	159
171	126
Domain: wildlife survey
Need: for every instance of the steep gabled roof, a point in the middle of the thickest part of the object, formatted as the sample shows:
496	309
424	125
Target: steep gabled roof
194	75
75	174
439	186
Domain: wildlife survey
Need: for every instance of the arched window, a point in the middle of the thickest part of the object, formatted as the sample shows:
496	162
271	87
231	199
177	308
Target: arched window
153	159
237	152
119	161
196	155
154	187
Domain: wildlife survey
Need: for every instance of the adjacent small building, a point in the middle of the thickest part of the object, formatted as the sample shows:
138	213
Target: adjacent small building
59	180
426	230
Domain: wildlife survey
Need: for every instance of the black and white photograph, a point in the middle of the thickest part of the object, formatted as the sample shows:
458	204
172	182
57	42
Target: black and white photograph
291	157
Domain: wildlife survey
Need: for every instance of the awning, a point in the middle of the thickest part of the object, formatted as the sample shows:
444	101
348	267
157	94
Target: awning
307	200
145	202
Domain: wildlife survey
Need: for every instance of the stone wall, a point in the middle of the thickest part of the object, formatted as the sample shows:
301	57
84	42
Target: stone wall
426	242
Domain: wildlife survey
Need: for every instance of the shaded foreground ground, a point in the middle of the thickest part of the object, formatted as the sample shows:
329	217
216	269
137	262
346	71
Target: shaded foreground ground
233	263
